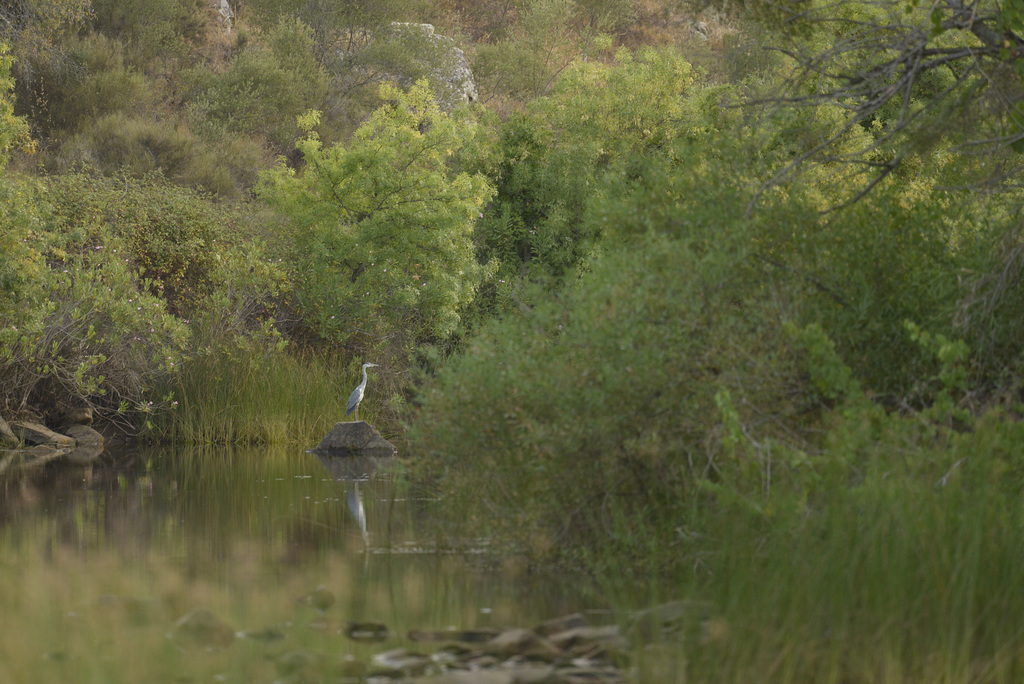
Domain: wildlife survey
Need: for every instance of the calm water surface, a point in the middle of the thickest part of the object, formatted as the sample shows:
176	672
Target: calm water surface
98	565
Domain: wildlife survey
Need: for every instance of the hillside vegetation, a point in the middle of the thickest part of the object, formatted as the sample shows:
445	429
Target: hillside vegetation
728	298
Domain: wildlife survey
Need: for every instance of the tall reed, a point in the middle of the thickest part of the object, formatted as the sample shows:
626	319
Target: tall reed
245	397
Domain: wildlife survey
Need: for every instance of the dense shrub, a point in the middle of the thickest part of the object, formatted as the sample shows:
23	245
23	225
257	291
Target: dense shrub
700	355
553	158
152	28
13	129
265	88
122	145
80	325
88	79
381	228
601	402
104	279
179	242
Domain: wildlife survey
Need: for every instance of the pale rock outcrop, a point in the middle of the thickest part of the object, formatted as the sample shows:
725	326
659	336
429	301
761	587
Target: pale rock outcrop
224	14
451	71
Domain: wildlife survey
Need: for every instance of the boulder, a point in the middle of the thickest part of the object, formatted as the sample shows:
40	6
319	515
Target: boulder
84	436
561	624
450	73
223	13
398	663
202	629
522	642
356	437
34	433
75	416
581	639
668	620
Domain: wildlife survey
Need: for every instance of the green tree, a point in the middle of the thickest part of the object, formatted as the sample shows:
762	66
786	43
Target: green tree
918	77
596	118
383	226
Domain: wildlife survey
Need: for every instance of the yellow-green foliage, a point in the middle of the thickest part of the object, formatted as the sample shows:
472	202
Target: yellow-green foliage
21	260
184	246
13	129
102	279
78	324
597	118
382	227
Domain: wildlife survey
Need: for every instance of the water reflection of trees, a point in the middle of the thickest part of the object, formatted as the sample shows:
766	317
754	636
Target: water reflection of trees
204	506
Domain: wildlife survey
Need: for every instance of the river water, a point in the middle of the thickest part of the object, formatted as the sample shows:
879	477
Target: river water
106	570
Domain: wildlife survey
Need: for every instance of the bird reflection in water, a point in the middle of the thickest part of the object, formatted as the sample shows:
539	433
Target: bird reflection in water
355	504
353	472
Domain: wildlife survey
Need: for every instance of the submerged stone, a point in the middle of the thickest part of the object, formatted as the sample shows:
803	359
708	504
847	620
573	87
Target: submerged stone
366	631
299	661
469	677
356	437
202	629
319	599
399	662
265	634
466	636
523	642
561	624
668	620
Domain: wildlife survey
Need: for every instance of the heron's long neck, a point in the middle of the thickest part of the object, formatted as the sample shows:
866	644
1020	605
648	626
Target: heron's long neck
364	376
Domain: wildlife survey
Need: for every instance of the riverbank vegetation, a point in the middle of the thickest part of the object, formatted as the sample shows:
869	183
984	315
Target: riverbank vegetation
727	300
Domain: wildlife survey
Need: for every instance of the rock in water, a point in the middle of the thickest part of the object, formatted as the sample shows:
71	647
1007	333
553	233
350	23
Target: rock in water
366	631
89	444
34	433
356	437
319	599
202	629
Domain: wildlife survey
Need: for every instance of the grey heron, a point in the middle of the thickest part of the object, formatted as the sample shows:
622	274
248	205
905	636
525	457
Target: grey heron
357	393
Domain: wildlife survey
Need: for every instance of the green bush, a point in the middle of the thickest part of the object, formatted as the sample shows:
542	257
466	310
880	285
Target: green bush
13	129
77	325
700	352
596	406
553	158
182	244
122	145
266	87
152	28
381	228
103	280
90	79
